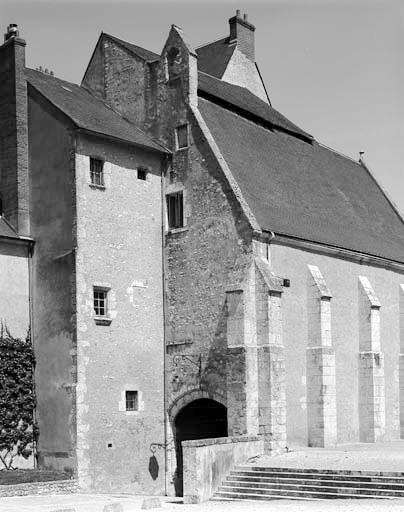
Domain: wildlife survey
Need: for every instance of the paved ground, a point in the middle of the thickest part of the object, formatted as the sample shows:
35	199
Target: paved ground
96	503
359	456
376	457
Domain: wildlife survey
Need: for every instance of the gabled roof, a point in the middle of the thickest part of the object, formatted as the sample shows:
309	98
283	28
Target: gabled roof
244	101
305	190
213	58
88	112
137	50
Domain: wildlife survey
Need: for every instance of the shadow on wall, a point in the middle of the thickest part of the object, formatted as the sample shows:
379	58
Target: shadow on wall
153	467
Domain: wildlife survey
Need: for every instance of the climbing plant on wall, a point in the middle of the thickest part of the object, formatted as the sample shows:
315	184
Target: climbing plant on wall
18	429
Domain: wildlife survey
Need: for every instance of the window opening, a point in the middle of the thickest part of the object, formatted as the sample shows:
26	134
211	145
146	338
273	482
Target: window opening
132	401
175	210
97	172
182	136
100	302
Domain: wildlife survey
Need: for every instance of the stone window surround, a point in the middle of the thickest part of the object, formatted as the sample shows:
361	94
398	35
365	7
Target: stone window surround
172	189
102	319
177	145
122	401
100	185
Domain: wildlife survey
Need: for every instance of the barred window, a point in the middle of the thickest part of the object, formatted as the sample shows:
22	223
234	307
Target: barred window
100	301
175	210
132	401
97	172
182	136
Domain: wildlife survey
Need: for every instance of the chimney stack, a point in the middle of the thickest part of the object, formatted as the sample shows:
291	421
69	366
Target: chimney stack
242	33
12	31
14	127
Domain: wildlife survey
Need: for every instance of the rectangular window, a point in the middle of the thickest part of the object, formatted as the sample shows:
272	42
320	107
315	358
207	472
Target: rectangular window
141	174
97	172
175	210
182	136
132	401
100	301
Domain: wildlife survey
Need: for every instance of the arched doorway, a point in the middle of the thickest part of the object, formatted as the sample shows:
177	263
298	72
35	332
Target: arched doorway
201	419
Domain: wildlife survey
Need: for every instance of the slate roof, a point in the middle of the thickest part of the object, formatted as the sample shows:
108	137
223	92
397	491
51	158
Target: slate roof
88	112
138	50
246	103
305	190
213	58
6	230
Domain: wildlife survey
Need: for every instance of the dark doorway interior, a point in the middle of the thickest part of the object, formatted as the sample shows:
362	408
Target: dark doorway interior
201	419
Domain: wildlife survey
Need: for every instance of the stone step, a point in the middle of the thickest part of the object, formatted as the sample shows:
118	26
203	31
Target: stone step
254	497
322	489
337	476
266	469
316	481
255	494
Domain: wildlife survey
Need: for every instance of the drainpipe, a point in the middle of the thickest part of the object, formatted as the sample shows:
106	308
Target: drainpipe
165	166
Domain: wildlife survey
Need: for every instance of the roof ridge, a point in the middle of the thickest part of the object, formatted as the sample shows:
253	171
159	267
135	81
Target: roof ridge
211	42
281	123
339	153
123	42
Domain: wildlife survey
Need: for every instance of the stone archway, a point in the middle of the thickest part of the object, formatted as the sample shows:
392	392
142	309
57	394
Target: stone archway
195	416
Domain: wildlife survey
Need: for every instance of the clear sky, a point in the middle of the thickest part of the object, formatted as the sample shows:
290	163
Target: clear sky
334	67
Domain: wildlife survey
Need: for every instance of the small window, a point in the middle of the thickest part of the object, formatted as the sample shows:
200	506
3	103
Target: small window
175	210
100	301
132	401
97	172
142	174
182	136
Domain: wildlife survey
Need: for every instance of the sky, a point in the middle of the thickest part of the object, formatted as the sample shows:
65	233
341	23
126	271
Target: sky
333	67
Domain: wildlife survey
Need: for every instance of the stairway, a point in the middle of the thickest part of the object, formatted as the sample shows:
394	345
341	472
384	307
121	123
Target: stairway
264	483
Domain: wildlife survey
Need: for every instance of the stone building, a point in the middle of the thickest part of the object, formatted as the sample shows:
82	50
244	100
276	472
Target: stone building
198	265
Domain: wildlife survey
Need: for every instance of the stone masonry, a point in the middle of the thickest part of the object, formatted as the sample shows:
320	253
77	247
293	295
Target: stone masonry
321	387
401	360
371	366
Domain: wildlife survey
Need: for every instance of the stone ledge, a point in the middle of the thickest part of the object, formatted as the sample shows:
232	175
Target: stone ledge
220	440
40	488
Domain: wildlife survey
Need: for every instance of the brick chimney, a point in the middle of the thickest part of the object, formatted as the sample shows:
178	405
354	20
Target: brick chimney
14	131
242	32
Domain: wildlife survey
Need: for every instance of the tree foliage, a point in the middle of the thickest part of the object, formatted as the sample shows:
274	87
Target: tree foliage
18	430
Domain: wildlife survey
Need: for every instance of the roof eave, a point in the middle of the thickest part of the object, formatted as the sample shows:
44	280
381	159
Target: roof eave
330	249
163	150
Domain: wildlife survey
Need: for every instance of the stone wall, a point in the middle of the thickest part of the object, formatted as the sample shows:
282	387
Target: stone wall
208	461
119	247
40	488
52	204
351	330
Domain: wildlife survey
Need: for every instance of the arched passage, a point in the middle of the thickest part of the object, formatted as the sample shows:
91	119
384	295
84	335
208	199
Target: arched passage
200	419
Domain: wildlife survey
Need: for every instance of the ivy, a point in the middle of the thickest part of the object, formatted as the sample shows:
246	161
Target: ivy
18	429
